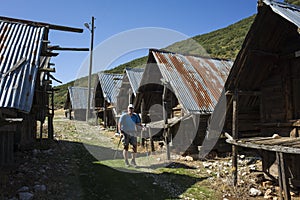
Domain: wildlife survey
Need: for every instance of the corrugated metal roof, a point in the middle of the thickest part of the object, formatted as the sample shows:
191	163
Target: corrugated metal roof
20	48
287	11
78	97
135	76
110	84
197	82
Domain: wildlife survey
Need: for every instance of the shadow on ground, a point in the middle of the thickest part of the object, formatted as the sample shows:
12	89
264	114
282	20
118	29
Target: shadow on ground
99	181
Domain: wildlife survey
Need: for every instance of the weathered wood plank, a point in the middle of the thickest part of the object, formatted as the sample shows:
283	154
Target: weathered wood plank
275	148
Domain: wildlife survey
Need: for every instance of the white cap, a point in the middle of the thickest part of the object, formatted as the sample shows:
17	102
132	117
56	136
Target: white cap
130	106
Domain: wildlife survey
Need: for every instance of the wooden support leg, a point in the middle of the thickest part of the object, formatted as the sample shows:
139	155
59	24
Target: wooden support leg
279	175
282	179
151	140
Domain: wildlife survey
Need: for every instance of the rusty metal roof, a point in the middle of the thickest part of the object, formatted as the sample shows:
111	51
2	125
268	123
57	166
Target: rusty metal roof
78	97
287	11
20	48
196	81
134	76
110	84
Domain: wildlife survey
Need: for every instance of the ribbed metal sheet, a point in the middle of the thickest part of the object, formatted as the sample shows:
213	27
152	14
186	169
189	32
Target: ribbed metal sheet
17	85
135	76
287	11
110	84
78	97
197	82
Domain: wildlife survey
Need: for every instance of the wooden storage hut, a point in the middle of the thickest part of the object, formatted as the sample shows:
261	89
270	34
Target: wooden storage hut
177	95
263	91
26	93
128	89
76	103
106	90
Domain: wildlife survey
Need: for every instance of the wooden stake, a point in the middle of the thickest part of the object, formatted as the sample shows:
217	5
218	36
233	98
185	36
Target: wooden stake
235	136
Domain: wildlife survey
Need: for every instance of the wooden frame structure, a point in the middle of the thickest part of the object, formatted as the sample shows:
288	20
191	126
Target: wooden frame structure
263	92
26	82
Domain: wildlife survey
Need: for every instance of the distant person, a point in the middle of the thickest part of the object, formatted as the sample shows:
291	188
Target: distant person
128	126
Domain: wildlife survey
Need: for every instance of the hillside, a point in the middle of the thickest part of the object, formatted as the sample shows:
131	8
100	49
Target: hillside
223	43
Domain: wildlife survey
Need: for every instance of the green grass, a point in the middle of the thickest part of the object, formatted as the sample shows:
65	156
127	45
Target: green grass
110	180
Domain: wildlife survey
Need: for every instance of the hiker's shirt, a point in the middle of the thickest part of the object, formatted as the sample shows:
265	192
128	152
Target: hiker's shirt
128	123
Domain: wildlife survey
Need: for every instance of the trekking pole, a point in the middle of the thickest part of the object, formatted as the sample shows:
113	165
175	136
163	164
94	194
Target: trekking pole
115	155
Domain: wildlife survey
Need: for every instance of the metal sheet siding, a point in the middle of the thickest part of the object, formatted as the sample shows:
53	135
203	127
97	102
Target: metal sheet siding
78	97
135	76
110	84
197	82
289	12
17	86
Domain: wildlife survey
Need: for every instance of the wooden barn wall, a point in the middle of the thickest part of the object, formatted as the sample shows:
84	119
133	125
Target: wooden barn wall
7	134
123	96
151	105
99	98
122	100
281	97
110	118
295	82
248	116
201	132
149	99
26	131
7	144
187	143
292	161
80	114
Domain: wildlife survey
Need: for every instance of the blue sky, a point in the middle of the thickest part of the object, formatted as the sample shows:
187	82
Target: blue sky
114	17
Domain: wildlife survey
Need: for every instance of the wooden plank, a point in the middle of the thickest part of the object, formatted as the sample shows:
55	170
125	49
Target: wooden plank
279	141
275	148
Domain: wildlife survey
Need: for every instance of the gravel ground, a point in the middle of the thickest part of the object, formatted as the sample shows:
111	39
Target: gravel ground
40	172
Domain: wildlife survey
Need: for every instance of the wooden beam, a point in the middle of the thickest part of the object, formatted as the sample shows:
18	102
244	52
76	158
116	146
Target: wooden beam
50	26
52	77
58	48
49	54
47	69
7	121
244	93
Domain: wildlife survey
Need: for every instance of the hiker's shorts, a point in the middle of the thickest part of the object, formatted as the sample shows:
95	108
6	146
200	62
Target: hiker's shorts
129	139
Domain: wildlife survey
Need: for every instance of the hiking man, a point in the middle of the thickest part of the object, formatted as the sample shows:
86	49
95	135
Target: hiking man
128	125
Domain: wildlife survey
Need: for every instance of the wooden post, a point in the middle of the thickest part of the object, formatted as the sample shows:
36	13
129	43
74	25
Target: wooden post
151	140
50	118
105	114
282	179
41	131
234	135
165	116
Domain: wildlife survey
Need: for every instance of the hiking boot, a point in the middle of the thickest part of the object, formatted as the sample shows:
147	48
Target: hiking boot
127	163
133	163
